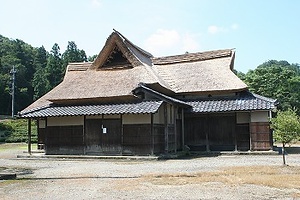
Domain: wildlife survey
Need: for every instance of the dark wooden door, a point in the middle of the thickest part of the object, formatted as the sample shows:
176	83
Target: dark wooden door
221	132
93	136
103	136
196	129
111	136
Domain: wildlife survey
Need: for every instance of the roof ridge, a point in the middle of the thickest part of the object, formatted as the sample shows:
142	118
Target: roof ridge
263	98
188	57
135	46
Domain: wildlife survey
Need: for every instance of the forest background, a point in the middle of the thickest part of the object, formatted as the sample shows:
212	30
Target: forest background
38	71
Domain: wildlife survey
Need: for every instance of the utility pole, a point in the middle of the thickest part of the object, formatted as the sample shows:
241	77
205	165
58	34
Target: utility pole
13	78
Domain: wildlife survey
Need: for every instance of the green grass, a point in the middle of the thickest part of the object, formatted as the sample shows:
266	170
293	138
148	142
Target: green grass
15	130
15	146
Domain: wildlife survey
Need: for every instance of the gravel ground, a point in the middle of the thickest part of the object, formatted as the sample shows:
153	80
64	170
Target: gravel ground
123	179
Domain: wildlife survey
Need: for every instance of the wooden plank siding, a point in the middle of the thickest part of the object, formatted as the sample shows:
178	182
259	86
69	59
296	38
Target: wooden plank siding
159	138
216	132
137	139
64	140
243	137
103	136
261	138
196	129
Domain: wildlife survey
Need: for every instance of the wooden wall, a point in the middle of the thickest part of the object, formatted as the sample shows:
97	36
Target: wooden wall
103	136
216	132
261	137
64	140
137	139
128	134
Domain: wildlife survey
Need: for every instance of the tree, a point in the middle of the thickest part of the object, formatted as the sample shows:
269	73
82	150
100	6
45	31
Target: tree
73	54
21	55
54	67
286	128
276	79
92	58
40	82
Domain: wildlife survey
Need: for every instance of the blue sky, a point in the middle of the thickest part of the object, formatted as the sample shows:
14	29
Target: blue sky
259	30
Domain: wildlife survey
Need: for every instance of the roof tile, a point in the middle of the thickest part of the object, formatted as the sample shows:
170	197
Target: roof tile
247	101
145	107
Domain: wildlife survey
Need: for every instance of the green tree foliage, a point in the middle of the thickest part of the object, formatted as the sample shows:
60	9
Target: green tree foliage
21	55
73	54
286	128
92	58
276	79
40	82
37	70
54	66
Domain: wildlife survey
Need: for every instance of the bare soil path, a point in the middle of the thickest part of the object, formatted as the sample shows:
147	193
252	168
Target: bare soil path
221	177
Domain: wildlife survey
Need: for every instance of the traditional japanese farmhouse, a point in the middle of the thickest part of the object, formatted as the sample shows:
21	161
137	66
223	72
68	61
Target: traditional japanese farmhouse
128	102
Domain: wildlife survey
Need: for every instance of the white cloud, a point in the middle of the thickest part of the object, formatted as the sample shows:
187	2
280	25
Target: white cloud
162	39
234	26
168	42
189	43
96	3
213	29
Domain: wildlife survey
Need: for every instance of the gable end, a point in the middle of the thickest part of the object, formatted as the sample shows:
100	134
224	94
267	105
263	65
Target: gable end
115	55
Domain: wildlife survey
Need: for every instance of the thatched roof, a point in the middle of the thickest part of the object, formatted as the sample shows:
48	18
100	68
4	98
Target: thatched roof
121	66
211	75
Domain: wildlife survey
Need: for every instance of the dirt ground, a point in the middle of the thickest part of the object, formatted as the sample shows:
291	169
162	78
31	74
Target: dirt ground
219	177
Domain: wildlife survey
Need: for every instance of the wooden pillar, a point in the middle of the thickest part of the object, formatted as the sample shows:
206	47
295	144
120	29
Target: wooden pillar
166	128
83	134
207	134
250	134
29	136
175	126
152	135
235	134
182	127
271	132
122	134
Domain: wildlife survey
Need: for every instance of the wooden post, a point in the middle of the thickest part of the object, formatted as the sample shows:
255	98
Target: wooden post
207	133
250	134
166	128
122	134
152	135
182	127
235	134
175	126
83	135
29	136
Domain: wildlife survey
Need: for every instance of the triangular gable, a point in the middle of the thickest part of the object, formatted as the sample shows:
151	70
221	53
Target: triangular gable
115	54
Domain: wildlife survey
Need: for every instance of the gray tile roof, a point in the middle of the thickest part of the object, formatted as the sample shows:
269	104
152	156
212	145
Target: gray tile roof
144	107
244	102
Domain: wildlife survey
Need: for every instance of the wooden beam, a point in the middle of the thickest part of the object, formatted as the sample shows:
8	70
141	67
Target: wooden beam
29	136
122	134
83	134
182	127
152	135
207	133
175	126
250	134
235	134
166	128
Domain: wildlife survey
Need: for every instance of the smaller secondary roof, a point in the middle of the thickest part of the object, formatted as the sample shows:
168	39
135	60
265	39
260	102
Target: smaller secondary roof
145	107
244	102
